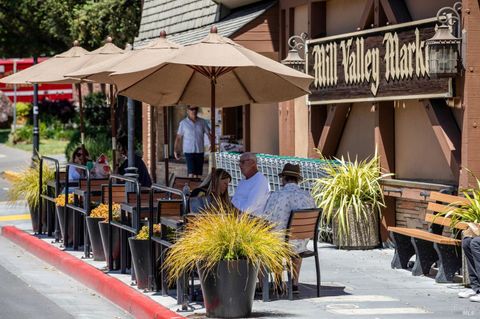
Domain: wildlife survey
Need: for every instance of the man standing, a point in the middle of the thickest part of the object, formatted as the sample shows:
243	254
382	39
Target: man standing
252	192
192	130
280	205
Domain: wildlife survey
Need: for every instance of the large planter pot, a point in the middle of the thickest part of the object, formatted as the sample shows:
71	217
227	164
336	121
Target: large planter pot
363	232
228	289
60	210
34	218
95	238
104	233
142	261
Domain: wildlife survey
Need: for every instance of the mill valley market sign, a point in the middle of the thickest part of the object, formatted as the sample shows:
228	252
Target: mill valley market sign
381	64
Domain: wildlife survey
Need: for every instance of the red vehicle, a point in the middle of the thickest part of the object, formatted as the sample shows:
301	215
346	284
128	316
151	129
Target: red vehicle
25	92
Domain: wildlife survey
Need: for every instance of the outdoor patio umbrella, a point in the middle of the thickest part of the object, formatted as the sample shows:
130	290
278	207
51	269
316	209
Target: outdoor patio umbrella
242	76
53	70
160	48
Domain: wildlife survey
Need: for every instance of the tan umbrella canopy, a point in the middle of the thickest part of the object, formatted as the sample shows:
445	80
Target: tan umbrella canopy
142	57
242	76
53	70
139	58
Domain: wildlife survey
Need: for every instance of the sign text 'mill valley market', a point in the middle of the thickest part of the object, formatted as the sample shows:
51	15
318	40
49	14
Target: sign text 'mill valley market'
374	65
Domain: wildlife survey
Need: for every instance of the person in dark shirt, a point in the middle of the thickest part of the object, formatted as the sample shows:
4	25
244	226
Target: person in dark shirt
142	171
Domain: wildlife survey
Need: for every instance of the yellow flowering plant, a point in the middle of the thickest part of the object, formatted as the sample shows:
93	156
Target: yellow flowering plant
60	200
143	233
101	211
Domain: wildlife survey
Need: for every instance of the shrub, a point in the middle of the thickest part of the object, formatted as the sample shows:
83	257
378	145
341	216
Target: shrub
60	200
23	109
143	233
101	211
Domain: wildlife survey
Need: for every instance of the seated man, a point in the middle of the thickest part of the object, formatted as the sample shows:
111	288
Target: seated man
252	192
280	205
471	247
142	171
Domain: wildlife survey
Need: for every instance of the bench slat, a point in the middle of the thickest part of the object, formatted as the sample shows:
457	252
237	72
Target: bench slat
425	235
444	221
439	208
450	199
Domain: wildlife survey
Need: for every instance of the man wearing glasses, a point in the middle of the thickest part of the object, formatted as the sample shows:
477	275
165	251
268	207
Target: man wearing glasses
253	191
192	130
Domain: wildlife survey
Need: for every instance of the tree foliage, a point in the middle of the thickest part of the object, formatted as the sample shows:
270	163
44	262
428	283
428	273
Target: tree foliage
47	27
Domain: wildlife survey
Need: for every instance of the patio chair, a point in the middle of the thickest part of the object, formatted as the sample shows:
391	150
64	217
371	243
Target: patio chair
302	224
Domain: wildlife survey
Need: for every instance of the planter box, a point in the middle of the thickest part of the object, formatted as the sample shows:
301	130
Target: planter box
363	232
228	289
95	238
104	233
142	261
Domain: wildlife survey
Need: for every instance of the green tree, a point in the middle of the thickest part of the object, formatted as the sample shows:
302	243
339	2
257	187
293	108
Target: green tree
47	27
95	20
35	27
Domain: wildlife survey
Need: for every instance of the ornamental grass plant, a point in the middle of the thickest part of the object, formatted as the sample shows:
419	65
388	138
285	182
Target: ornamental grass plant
220	234
27	186
465	213
349	186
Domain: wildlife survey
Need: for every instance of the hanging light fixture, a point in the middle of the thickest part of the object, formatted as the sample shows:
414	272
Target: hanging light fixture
444	47
293	59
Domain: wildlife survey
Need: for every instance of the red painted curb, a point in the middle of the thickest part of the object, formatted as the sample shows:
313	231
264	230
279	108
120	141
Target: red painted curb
139	305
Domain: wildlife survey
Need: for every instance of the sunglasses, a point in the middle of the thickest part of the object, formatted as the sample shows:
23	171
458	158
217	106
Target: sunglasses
193	110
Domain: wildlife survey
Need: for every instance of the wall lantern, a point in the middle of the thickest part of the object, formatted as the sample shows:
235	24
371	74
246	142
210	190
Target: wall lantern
444	47
297	45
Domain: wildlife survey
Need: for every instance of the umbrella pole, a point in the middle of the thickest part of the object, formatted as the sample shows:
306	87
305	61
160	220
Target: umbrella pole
212	120
165	143
82	124
114	128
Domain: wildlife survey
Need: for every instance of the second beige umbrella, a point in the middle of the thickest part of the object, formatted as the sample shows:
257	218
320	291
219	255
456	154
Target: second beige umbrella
193	75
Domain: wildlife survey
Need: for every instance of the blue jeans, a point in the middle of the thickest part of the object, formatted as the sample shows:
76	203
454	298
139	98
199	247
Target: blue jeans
471	248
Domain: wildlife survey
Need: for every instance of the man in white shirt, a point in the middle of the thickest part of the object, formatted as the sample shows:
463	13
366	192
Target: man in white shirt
253	191
192	130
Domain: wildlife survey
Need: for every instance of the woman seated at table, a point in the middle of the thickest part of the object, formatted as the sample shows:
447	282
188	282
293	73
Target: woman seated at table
214	192
79	156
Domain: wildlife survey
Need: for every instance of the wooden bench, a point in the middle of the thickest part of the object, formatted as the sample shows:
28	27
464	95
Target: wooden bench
179	182
431	246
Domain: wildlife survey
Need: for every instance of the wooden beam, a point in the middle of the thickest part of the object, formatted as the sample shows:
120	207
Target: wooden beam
246	127
385	134
446	132
286	126
318	19
367	16
385	144
333	129
396	11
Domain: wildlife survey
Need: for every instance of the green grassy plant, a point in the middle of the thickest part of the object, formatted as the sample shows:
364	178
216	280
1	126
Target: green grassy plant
349	186
27	186
218	234
466	213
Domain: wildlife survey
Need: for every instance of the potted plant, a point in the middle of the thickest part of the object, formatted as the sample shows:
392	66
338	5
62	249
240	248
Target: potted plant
101	211
97	215
60	210
351	198
228	250
27	187
142	262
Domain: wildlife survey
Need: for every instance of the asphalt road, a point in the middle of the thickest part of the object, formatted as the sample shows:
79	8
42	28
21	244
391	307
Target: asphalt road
29	287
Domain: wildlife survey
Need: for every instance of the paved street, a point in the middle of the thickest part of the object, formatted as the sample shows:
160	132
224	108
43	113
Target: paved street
29	287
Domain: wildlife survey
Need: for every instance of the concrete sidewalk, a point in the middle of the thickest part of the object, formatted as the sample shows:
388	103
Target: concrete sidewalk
355	284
